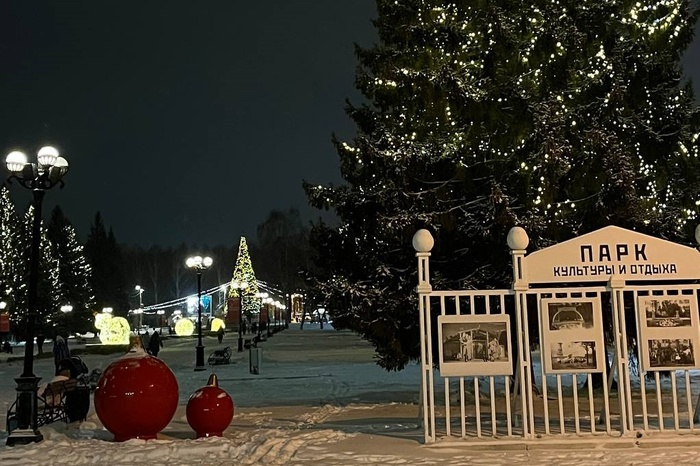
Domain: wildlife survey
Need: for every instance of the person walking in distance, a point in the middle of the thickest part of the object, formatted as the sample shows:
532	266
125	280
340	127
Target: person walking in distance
146	342
60	351
155	343
220	334
40	342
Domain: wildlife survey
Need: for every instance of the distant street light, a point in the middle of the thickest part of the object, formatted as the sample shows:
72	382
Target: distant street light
66	309
39	177
199	264
140	292
240	286
261	297
267	302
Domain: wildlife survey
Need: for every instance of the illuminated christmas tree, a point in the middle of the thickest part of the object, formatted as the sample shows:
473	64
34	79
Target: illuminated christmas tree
49	291
12	265
244	273
558	116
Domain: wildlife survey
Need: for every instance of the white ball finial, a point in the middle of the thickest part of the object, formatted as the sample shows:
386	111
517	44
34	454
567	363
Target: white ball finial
697	233
423	241
517	238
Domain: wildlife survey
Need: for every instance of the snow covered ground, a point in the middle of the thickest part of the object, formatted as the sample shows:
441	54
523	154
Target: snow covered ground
319	400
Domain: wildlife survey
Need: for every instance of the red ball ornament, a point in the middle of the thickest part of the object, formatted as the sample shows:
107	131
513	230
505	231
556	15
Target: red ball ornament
209	410
136	396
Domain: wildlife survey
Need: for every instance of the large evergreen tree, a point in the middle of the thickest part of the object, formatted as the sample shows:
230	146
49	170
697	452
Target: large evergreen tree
104	257
74	272
49	291
12	265
560	116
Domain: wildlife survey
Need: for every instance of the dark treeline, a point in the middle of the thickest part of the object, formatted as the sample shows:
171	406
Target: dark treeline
278	253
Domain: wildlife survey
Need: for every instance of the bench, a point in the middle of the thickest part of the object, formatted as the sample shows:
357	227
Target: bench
51	404
220	357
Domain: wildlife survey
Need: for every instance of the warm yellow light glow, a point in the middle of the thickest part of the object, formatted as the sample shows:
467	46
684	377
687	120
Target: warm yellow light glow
216	324
102	320
115	331
184	328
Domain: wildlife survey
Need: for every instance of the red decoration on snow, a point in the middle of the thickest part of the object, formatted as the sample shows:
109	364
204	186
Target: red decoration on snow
136	396
209	410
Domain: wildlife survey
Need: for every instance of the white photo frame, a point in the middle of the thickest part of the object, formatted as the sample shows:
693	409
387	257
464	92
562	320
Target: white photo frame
669	332
572	336
475	345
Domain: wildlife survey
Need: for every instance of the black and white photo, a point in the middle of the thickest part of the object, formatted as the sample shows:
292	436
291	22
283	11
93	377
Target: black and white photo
474	345
572	335
669	332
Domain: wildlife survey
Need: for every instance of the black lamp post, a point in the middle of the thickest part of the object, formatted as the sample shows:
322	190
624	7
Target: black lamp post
240	287
262	297
199	264
267	302
39	177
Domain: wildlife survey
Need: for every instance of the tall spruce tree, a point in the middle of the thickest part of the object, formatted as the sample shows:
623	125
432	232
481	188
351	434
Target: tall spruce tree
74	272
12	265
104	257
558	116
49	291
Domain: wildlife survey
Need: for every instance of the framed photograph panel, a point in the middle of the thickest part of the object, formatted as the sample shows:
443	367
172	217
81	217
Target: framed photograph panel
571	335
475	345
669	332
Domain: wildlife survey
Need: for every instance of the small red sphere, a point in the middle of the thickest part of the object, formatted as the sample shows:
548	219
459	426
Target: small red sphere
209	411
136	397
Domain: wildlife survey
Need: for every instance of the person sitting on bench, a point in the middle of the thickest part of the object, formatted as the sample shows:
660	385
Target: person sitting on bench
54	398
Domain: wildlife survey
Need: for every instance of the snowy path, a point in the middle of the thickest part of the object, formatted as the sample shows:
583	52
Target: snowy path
319	401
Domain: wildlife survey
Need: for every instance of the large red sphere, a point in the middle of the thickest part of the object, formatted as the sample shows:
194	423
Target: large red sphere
209	411
136	397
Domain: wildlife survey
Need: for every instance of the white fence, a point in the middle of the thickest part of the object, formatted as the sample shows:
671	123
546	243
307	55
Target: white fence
574	383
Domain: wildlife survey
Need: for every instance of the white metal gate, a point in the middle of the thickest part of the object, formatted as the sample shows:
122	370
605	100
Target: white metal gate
535	404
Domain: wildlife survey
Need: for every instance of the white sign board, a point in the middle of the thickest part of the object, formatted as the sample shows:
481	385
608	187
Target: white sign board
612	251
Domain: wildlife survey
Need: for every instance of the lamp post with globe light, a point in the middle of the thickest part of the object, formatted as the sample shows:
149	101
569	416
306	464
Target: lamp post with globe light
66	309
240	287
139	290
199	264
262	297
39	177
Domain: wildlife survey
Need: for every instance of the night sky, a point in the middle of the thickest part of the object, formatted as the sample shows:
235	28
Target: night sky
184	121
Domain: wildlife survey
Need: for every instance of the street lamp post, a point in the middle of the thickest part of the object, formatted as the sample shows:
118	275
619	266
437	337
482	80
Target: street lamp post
267	302
240	286
199	264
262	297
140	291
38	177
66	309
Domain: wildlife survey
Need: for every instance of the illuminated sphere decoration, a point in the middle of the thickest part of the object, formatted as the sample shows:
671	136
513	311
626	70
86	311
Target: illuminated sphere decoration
115	331
216	324
101	320
136	396
209	410
184	328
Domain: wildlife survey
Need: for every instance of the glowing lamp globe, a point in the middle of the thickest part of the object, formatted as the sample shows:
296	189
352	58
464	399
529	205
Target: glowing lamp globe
136	396
209	410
